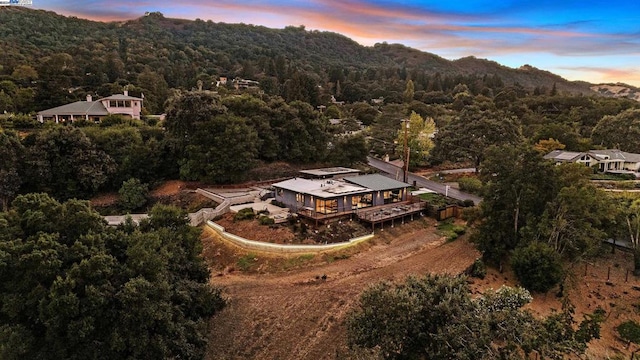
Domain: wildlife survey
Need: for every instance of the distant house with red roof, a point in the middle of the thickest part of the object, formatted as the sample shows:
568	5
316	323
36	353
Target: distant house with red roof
90	110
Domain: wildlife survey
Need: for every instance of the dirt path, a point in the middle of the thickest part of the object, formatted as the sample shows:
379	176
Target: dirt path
297	315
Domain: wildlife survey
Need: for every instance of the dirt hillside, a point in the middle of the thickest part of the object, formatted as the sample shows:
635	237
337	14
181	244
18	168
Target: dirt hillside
298	315
281	308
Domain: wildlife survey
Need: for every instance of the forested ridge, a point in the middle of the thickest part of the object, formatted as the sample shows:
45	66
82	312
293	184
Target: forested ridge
53	60
60	261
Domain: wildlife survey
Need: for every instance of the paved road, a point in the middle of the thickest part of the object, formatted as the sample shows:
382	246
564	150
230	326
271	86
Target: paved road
396	172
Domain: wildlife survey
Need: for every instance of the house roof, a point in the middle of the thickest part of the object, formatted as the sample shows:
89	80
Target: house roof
599	155
561	155
77	108
330	171
120	97
321	188
615	154
376	182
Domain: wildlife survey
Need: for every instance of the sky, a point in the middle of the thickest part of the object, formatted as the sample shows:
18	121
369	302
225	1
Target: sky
592	40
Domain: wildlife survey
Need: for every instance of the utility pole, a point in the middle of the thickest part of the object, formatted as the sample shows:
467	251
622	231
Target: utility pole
405	123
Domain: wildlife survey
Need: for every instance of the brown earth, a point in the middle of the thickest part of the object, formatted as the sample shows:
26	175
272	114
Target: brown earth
173	192
587	288
336	231
281	308
275	313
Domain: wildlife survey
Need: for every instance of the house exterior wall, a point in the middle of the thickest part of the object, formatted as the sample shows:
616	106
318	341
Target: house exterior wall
319	206
287	197
133	110
632	166
587	160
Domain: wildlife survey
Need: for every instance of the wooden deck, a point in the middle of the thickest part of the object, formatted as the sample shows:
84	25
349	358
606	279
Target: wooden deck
390	212
372	215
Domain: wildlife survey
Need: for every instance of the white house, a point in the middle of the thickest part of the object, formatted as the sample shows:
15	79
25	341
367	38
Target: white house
90	110
611	160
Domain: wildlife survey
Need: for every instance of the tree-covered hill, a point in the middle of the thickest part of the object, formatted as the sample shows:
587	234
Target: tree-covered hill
55	59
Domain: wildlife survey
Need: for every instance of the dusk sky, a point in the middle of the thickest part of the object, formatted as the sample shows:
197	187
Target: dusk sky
593	40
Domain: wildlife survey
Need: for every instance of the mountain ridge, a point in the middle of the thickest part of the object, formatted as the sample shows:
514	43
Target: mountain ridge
183	51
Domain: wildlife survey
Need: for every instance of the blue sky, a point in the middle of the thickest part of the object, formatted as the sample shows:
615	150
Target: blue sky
596	41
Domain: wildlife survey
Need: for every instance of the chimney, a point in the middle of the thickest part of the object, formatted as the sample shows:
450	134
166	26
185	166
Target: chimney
89	99
126	93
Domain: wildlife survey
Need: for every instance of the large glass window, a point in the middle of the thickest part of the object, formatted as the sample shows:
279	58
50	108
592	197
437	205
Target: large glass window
361	201
391	196
327	206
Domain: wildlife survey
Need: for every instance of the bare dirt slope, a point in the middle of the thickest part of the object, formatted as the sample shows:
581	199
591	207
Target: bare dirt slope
298	315
283	309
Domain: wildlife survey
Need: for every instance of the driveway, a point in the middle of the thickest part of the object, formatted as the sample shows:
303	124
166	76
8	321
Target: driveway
396	172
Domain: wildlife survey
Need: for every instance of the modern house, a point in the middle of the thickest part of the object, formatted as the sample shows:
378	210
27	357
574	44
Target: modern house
321	199
611	160
90	110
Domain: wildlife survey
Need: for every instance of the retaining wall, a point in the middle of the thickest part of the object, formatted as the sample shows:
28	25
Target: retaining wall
280	248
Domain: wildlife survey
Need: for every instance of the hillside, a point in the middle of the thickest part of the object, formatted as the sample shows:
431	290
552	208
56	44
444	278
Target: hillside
280	309
65	57
618	90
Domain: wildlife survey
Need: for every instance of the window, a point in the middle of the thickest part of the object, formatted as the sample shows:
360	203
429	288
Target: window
300	198
391	196
113	103
365	200
327	206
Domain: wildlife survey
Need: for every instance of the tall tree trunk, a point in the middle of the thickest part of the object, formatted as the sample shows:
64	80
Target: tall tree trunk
636	261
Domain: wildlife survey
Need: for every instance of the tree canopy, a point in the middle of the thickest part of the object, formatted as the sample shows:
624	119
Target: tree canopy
72	288
435	317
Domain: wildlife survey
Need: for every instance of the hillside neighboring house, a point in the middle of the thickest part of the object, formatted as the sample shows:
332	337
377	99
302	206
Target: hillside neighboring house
326	198
611	160
90	110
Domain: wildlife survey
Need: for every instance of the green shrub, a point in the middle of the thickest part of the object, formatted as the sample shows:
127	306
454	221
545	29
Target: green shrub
244	214
470	184
537	266
459	230
468	203
133	194
478	269
615	177
629	331
22	121
265	220
247	262
470	214
449	230
115	119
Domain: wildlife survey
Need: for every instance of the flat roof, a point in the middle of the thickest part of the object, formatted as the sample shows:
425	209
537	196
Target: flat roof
321	188
338	170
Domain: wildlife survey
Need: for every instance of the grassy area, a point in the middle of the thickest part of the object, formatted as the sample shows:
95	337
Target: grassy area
297	261
613	177
333	257
437	200
624	195
246	262
450	230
